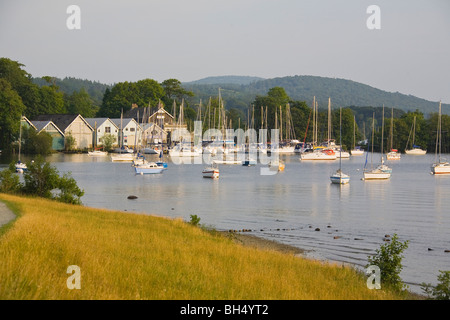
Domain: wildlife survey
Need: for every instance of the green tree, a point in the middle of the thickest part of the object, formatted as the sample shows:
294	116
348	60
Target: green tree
69	142
69	192
43	180
124	94
35	143
108	141
11	110
389	259
20	81
9	180
442	290
275	99
51	100
173	90
79	102
40	178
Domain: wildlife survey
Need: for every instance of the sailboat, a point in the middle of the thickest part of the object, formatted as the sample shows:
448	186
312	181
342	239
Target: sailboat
20	166
339	177
440	165
123	157
416	150
393	154
356	151
382	172
319	152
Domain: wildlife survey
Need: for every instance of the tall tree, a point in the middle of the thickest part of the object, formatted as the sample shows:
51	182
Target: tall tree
124	94
79	102
173	90
11	110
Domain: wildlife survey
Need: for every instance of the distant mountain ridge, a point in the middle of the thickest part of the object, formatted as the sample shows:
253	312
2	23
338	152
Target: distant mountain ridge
343	93
241	80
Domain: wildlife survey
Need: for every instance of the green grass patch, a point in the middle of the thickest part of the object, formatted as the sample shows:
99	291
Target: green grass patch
136	256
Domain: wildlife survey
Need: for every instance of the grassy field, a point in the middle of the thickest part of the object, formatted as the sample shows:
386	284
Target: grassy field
134	256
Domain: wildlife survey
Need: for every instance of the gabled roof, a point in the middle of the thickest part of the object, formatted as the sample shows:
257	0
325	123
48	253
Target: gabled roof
151	125
41	125
125	122
28	121
99	121
161	110
62	121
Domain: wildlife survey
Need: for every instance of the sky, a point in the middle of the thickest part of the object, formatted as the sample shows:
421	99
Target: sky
130	40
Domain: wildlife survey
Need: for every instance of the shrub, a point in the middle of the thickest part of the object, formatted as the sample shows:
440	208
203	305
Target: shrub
9	181
442	290
195	220
389	259
43	180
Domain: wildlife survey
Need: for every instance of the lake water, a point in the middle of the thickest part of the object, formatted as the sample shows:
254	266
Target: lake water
288	207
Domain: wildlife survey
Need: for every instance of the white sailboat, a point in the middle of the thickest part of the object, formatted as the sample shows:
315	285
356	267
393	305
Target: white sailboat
20	166
339	177
394	154
356	151
382	171
319	153
440	165
415	150
122	157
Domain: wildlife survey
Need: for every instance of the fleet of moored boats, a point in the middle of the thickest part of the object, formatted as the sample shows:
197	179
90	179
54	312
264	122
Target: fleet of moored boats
328	150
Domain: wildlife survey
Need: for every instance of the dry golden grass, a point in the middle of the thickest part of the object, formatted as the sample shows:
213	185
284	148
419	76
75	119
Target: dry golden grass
133	256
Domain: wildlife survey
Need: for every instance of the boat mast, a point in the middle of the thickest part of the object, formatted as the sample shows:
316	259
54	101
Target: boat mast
329	121
382	135
314	121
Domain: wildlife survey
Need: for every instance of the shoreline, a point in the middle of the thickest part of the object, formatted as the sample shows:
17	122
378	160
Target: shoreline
241	238
262	243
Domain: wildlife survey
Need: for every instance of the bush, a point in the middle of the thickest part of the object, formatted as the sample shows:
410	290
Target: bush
108	140
442	290
35	143
195	220
9	181
43	180
388	258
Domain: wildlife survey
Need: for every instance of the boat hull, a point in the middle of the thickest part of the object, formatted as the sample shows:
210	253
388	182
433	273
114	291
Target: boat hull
124	157
441	168
97	153
357	152
393	156
376	175
210	173
336	179
418	152
317	156
144	169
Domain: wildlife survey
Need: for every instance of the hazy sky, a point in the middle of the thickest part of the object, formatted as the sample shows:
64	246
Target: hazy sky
129	40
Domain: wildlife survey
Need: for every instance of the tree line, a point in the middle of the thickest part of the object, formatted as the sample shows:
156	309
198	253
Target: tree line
21	95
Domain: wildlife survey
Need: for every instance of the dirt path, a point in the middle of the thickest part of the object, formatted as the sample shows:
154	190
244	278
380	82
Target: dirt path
6	215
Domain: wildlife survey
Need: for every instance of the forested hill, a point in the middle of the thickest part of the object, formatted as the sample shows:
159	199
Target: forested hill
68	85
242	80
303	88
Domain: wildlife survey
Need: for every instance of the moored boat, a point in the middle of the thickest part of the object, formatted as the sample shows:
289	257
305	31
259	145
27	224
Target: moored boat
211	172
148	168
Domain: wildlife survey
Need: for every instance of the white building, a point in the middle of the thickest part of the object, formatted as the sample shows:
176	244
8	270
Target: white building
132	132
101	127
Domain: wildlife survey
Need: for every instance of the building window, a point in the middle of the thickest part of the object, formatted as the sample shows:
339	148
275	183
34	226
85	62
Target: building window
132	129
107	129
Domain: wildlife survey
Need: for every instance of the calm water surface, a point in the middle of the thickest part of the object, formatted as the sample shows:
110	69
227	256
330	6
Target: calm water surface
289	206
